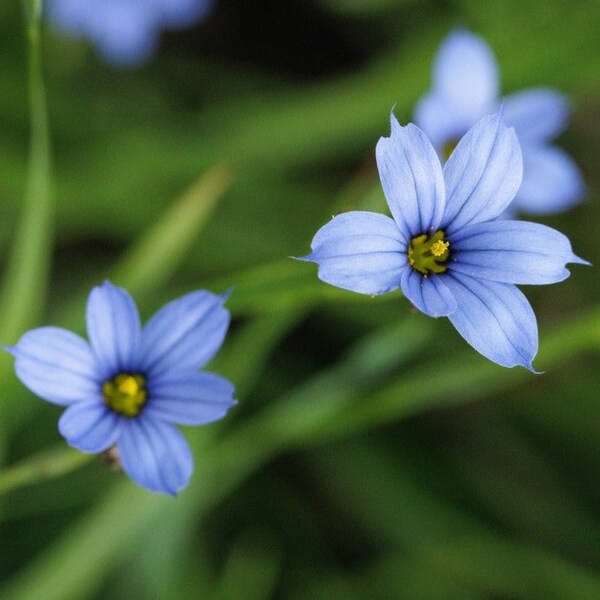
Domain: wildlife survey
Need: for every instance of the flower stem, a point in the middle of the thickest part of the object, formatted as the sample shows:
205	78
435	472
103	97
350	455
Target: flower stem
45	465
28	265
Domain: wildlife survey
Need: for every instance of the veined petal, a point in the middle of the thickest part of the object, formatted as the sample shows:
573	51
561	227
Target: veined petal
358	232
496	319
360	251
482	175
184	334
189	399
512	252
429	294
552	182
538	115
412	180
90	426
155	455
57	365
465	74
114	329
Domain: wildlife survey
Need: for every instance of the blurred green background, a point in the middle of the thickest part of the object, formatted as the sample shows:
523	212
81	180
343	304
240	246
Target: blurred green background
373	454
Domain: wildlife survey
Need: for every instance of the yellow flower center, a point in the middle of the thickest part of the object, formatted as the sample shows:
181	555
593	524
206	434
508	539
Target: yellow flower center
125	394
429	254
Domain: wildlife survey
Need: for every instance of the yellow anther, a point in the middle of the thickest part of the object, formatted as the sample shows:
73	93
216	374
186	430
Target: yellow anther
438	248
128	386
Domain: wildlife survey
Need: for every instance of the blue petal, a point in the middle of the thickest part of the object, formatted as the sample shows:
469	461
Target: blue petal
496	319
90	426
466	76
429	294
155	455
114	329
184	13
360	251
412	180
184	334
57	365
189	399
482	175
512	252
442	124
552	182
538	115
71	16
124	31
126	44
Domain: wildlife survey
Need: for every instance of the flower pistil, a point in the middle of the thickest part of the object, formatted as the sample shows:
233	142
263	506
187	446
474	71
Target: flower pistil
428	254
125	394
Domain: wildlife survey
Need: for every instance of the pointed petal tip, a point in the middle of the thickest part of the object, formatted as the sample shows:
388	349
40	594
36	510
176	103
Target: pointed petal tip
397	127
161	487
307	258
526	362
498	117
225	295
165	491
577	260
172	492
393	119
529	366
12	350
501	120
107	284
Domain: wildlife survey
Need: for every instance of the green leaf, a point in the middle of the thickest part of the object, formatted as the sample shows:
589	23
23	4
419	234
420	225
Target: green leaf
154	257
26	279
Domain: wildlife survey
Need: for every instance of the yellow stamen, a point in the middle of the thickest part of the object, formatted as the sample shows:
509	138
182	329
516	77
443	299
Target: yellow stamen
128	386
125	394
439	247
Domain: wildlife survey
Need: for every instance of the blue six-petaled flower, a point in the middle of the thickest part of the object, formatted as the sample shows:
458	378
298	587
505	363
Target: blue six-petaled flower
124	32
465	88
443	246
128	386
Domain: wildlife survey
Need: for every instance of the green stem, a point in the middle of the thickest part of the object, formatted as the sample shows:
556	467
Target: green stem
294	422
45	465
28	266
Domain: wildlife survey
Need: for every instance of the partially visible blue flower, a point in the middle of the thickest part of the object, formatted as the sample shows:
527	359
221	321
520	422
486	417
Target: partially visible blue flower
444	246
129	386
124	32
465	88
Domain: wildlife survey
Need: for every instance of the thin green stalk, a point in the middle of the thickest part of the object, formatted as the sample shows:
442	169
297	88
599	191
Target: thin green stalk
45	465
28	265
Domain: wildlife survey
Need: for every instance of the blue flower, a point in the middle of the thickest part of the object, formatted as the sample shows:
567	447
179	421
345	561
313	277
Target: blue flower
128	386
444	247
124	32
465	88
